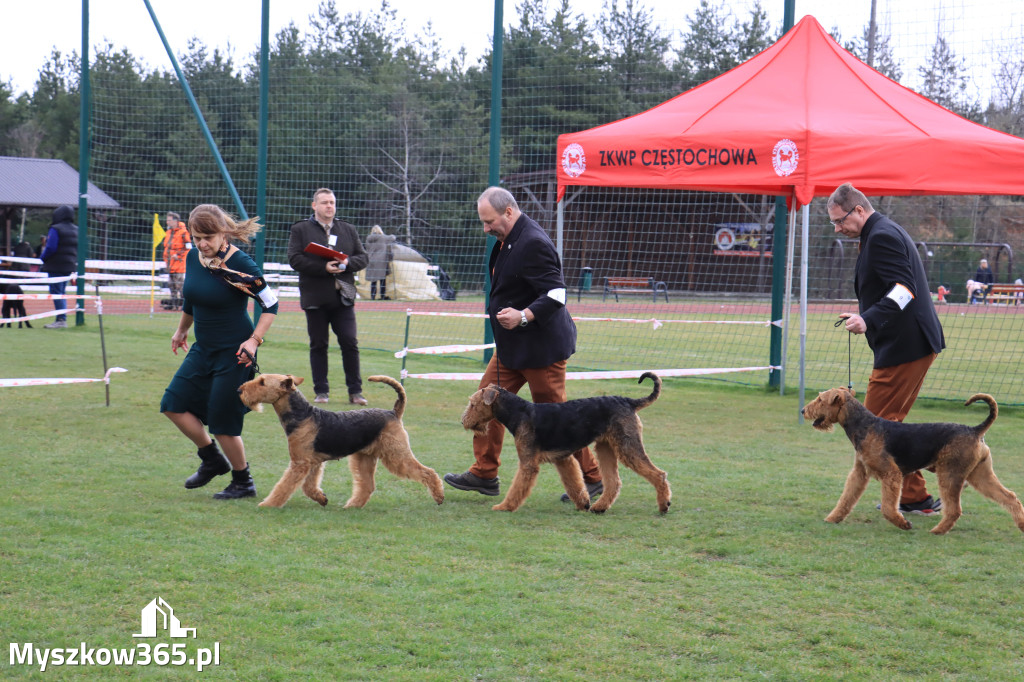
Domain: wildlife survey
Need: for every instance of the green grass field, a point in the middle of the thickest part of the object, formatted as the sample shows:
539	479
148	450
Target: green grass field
740	580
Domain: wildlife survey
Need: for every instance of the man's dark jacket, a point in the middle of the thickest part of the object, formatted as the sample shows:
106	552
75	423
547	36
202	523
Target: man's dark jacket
316	285
524	269
60	255
889	257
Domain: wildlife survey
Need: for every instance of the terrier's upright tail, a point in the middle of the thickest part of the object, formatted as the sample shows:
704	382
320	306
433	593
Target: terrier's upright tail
400	402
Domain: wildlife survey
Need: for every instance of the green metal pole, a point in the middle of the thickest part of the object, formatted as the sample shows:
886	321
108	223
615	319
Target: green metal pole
84	137
199	116
494	155
779	254
261	161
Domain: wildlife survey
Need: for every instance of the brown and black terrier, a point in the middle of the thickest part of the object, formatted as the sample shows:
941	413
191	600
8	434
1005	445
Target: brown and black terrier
15	307
889	450
316	436
551	432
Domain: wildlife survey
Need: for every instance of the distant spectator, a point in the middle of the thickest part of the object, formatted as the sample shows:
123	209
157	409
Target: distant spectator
378	248
176	246
22	250
60	259
985	278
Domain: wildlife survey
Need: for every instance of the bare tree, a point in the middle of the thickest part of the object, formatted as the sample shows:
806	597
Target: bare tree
1007	108
402	176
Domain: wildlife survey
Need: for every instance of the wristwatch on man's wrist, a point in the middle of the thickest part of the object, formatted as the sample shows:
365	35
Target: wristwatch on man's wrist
522	319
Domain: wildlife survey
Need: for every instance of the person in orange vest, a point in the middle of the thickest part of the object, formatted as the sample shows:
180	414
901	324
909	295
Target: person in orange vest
176	245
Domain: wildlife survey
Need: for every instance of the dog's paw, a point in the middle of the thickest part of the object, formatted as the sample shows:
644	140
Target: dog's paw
901	522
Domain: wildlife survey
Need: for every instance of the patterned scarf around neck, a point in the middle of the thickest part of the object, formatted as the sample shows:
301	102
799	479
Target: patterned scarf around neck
252	286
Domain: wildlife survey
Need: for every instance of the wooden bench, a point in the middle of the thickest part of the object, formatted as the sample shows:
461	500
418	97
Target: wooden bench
1005	293
633	285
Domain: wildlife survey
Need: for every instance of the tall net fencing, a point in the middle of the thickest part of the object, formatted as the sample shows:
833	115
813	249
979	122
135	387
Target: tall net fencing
397	126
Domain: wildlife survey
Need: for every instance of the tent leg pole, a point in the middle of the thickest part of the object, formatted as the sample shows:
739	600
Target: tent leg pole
804	237
790	245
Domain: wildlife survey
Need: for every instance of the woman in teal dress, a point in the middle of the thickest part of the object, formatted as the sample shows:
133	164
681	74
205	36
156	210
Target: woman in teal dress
219	281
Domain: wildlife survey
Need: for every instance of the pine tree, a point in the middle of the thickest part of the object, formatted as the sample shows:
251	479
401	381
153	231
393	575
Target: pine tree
944	80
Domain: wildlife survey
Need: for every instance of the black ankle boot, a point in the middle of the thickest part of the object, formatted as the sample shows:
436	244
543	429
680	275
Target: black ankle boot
214	464
241	486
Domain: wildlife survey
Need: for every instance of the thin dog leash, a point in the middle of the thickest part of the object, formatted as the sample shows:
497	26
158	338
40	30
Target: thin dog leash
849	366
255	367
849	354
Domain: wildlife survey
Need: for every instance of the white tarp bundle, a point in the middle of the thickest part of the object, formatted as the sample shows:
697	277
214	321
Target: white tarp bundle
410	277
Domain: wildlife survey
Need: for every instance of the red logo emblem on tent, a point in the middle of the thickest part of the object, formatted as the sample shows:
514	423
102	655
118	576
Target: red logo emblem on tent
574	161
785	157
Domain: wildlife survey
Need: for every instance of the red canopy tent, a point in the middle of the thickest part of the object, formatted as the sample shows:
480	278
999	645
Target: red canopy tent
802	117
797	120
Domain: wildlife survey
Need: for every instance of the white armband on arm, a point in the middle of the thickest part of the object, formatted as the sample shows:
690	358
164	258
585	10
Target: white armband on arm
558	295
901	295
267	296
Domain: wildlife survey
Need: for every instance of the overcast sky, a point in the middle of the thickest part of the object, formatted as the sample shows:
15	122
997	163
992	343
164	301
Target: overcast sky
31	28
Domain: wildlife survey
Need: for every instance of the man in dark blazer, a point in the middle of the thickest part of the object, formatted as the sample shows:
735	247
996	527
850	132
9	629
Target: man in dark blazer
533	331
896	316
327	292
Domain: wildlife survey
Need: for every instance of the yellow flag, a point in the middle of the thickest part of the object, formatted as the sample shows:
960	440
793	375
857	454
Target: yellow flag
158	232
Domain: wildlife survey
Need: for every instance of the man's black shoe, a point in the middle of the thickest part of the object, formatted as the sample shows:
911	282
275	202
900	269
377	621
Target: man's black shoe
595	489
468	481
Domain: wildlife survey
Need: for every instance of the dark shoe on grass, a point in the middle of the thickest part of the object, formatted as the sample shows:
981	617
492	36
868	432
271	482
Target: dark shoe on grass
595	489
214	464
929	506
472	482
241	486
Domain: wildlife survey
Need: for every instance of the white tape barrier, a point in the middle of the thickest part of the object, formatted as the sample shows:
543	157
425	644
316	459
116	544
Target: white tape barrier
430	314
48	313
42	297
36	279
652	321
442	350
658	323
40	316
623	374
8	383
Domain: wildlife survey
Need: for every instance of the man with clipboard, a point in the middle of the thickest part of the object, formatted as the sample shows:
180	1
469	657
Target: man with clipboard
327	291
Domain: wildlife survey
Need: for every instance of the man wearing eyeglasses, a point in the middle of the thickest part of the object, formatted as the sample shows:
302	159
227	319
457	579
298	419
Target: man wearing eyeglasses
896	315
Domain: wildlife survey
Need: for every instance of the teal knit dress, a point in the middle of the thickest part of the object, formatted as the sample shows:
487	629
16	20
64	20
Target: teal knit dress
207	382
